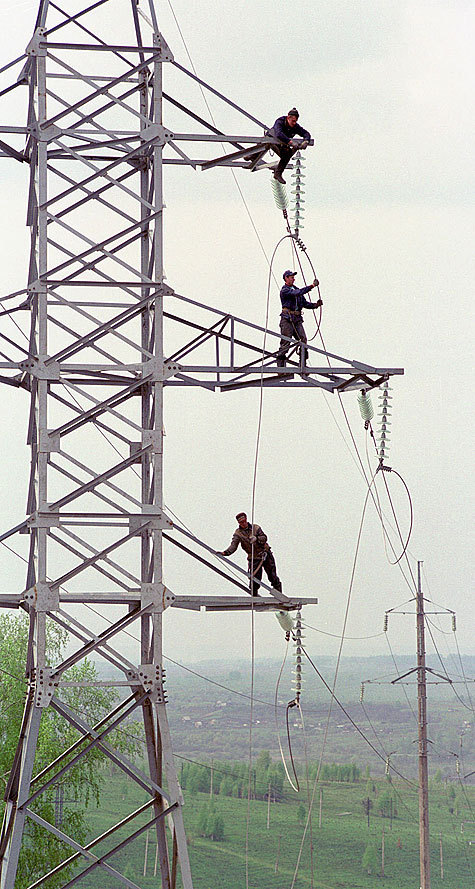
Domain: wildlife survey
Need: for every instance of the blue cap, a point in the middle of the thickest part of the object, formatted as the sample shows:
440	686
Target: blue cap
288	272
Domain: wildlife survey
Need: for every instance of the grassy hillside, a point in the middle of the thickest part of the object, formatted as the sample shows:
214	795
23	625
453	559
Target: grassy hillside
338	846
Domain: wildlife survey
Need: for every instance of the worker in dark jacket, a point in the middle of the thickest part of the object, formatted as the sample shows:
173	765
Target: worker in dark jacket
291	322
259	554
285	129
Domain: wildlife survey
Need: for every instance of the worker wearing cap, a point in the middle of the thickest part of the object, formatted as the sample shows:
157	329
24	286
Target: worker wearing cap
259	554
291	321
285	129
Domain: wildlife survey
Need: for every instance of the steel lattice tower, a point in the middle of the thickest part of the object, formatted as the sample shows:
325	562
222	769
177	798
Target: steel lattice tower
100	322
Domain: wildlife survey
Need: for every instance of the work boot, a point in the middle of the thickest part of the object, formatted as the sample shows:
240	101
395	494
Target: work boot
279	177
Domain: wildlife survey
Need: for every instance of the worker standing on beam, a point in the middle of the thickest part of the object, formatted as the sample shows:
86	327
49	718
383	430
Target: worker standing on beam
285	129
259	554
291	321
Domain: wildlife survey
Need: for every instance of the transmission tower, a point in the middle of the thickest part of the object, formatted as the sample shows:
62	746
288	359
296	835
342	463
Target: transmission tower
107	335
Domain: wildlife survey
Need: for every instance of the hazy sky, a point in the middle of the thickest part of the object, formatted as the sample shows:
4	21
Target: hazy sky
386	88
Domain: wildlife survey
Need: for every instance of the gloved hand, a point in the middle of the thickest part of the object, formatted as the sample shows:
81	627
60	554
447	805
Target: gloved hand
304	144
220	552
253	538
316	283
318	303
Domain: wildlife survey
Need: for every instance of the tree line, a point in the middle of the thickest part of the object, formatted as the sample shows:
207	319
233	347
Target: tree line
226	778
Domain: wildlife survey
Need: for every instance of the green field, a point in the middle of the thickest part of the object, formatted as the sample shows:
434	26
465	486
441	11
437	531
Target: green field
338	846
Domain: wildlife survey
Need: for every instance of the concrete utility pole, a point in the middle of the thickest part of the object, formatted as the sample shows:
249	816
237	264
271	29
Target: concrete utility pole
421	669
424	851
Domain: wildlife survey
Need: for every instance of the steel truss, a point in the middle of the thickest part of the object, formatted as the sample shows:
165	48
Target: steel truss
99	314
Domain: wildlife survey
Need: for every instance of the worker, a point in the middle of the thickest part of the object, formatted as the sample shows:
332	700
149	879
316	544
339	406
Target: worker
291	322
259	554
285	129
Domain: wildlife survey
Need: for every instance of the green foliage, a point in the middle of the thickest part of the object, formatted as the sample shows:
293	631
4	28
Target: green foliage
235	676
301	813
348	772
459	803
341	840
232	778
384	803
40	850
210	822
367	804
370	859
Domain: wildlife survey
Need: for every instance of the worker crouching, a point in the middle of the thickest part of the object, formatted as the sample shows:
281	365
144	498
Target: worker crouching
284	130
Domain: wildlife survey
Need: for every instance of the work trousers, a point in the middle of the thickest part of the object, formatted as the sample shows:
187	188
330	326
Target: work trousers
295	329
285	154
255	569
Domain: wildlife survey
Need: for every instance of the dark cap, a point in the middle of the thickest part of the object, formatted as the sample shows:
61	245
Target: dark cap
293	112
288	272
240	514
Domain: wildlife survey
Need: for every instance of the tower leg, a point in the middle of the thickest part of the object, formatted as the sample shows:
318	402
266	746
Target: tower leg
179	836
154	754
14	821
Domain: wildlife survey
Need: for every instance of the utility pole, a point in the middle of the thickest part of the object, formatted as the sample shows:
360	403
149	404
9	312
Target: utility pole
422	733
441	858
320	810
382	855
421	670
268	806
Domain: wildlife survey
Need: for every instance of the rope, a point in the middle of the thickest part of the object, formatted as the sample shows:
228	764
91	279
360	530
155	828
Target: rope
252	572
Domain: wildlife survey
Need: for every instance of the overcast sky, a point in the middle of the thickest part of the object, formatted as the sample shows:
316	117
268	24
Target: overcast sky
386	89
